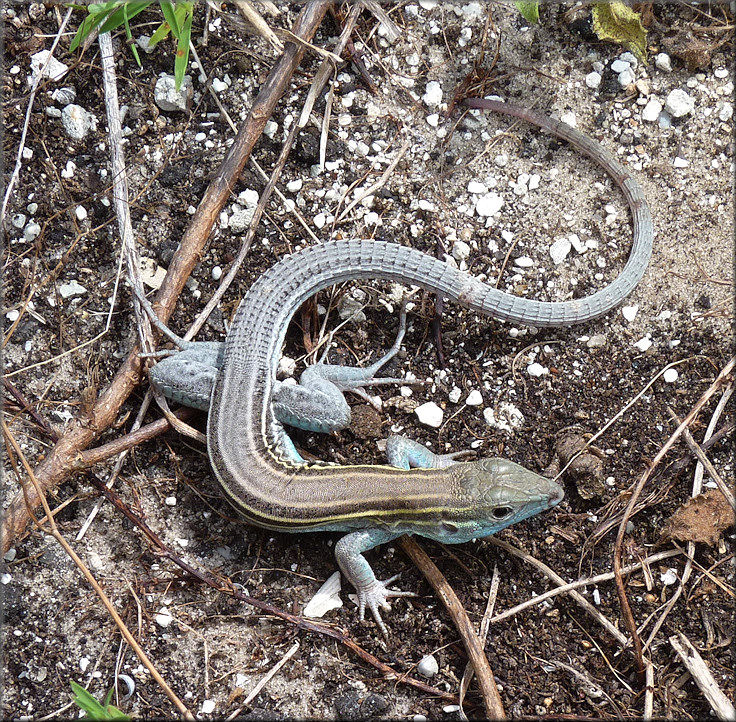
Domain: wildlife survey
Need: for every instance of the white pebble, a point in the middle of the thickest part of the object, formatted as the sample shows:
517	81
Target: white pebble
475	398
593	80
489	204
524	262
501	160
433	94
429	414
460	251
81	213
319	220
295	185
680	162
669	577
476	187
55	70
269	130
428	666
13	315
248	198
569	119
433	120
559	250
644	344
505	418
618	66
208	706
170	501
455	394
163	618
629	312
218	85
651	110
31	231
77	122
18	220
626	78
663	62
84	662
679	103
536	369
68	290
725	112
670	376
216	273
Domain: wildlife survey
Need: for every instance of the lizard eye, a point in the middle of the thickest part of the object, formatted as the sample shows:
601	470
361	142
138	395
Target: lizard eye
501	512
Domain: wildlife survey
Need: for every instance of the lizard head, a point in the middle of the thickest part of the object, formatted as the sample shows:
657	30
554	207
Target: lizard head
492	494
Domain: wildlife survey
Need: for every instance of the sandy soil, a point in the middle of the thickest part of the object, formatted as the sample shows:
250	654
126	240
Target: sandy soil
212	650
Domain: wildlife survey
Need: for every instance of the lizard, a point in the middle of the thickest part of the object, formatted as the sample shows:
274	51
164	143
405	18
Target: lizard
433	495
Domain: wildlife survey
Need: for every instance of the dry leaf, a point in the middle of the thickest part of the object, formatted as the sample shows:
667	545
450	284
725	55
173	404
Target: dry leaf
702	519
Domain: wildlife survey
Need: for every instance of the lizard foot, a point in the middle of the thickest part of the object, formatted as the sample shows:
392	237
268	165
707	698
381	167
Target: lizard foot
375	595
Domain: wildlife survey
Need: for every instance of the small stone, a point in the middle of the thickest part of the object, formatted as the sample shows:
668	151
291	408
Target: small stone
489	204
163	618
475	398
663	62
670	376
77	122
219	86
629	312
721	73
81	213
629	58
71	289
319	220
286	367
13	315
597	341
269	130
428	666
433	120
429	414
18	220
477	188
725	112
55	70
501	160
626	78
644	344
593	80
506	417
170	501
31	231
239	221
569	119
680	162
295	185
208	706
537	370
651	110
433	94
524	262
64	96
669	577
679	103
559	250
460	251
618	66
168	98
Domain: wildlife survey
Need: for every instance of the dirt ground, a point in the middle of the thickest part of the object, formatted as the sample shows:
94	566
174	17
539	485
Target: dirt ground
59	281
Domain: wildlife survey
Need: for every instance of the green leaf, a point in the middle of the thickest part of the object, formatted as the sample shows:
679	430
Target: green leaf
129	10
182	50
167	8
618	23
129	35
96	14
530	10
95	711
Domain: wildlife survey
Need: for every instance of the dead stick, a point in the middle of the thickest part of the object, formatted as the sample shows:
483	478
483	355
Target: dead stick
82	431
489	691
626	613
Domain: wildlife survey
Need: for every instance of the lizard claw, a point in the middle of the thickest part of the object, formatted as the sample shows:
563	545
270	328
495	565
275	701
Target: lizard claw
375	595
